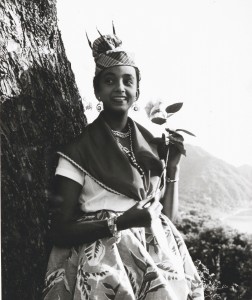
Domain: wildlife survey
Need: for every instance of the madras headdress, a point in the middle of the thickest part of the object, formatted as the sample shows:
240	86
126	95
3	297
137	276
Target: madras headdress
108	52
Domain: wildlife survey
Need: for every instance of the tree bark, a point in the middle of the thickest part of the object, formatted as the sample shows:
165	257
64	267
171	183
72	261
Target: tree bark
40	109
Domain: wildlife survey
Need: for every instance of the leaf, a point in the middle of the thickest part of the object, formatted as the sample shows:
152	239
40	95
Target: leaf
54	278
170	130
180	243
94	252
186	131
156	287
166	267
66	284
176	138
158	120
158	115
111	297
195	295
150	106
150	276
141	265
132	279
169	115
108	286
82	279
173	108
155	110
116	288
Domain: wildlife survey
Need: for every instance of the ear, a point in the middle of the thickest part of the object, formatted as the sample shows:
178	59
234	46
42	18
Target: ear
97	96
137	94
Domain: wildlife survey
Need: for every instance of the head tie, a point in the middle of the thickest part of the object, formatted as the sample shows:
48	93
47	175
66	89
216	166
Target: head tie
109	52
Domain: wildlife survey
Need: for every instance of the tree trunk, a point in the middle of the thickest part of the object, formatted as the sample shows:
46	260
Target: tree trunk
40	109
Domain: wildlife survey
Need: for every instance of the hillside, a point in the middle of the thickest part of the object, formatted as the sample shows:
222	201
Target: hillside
210	184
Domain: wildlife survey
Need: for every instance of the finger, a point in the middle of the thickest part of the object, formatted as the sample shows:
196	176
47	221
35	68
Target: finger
157	195
145	203
158	208
165	138
154	205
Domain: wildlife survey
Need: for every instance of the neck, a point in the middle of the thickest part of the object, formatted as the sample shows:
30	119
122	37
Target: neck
116	121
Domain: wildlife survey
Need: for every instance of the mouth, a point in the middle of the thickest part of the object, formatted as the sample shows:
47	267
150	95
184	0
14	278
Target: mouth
119	99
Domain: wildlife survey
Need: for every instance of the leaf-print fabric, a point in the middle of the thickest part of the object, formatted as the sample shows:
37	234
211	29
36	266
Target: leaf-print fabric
136	268
94	252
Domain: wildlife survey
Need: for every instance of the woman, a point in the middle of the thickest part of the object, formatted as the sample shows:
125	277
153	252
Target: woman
111	239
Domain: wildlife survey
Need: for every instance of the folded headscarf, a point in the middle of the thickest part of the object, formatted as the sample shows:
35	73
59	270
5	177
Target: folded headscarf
109	52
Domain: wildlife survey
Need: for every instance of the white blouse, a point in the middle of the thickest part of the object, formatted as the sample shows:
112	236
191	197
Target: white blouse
93	197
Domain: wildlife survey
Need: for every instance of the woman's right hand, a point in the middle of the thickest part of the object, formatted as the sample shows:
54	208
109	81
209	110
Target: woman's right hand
140	215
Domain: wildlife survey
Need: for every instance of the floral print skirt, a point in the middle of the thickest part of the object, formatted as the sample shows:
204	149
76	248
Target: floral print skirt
147	263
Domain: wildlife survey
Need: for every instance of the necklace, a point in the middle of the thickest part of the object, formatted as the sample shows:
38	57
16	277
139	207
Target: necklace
130	153
122	135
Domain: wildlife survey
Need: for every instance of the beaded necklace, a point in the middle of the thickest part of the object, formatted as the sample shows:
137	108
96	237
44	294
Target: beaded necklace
129	152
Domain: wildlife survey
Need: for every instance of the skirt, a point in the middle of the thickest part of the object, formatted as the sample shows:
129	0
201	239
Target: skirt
139	266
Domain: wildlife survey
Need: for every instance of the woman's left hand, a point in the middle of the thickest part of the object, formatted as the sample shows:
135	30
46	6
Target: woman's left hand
174	157
172	143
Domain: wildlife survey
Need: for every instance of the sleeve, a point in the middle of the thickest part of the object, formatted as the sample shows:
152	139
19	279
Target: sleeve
66	169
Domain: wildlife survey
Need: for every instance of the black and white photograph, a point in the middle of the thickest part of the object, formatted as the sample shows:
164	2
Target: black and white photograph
126	149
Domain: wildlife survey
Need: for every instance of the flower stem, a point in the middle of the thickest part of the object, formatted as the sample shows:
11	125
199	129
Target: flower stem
162	174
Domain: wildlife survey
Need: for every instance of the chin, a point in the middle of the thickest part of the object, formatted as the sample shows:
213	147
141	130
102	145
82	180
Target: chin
121	110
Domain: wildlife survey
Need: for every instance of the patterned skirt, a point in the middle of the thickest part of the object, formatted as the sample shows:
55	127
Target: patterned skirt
147	263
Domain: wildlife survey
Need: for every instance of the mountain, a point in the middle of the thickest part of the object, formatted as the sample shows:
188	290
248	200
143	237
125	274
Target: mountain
209	184
246	171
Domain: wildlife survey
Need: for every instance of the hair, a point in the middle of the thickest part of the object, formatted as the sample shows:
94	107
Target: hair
97	79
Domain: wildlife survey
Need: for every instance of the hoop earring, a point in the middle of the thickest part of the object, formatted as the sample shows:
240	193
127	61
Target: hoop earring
99	106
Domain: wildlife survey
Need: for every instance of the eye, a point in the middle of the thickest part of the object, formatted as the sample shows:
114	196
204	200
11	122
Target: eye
128	81
109	80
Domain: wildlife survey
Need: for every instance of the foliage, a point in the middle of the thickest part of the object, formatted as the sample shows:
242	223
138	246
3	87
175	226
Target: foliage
225	256
168	142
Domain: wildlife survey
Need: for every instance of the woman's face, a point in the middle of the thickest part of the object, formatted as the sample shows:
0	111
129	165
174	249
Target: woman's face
117	88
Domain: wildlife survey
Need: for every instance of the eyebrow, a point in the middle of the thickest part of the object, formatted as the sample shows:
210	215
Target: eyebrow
113	74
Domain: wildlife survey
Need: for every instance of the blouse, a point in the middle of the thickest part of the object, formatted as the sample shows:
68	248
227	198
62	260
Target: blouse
93	197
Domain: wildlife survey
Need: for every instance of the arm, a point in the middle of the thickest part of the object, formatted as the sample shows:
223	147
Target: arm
66	232
170	198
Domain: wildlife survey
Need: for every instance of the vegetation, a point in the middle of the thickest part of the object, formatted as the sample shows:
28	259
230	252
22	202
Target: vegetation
223	256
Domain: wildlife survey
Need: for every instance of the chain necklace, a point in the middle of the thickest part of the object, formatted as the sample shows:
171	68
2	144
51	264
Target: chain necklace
122	135
129	153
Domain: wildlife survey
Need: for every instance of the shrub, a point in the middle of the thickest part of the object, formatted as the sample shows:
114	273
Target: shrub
223	256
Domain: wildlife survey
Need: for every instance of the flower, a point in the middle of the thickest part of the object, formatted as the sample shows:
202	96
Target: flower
159	115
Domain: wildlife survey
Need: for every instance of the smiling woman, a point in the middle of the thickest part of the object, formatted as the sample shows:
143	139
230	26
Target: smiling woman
207	67
112	240
117	88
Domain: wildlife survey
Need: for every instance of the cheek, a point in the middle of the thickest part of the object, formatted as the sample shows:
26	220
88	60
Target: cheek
134	92
103	90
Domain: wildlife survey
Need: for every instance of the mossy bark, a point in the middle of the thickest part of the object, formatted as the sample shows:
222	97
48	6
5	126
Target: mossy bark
40	109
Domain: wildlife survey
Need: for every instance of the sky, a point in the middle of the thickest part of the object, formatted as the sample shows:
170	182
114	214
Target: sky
198	52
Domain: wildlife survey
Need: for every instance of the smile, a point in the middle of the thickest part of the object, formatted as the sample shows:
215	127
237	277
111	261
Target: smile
119	98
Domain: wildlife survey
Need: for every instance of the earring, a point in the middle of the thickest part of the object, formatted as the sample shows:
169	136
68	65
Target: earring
99	106
135	106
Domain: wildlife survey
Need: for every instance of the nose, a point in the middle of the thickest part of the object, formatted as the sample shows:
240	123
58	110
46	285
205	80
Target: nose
120	86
